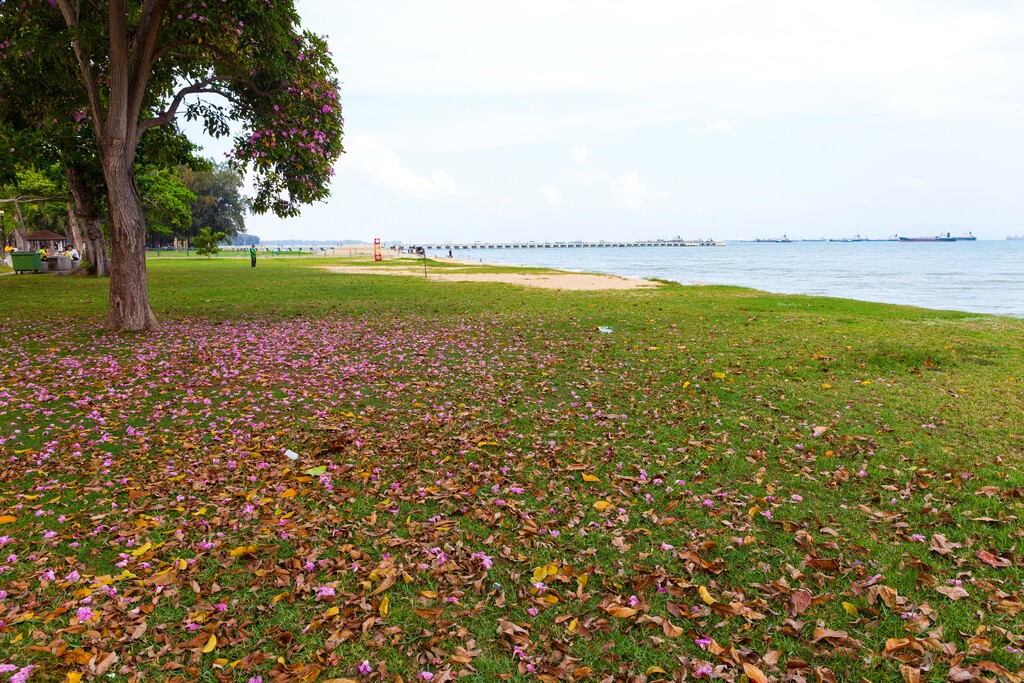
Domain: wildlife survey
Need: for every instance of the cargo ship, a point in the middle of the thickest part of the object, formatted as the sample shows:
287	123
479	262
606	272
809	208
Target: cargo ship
937	238
941	238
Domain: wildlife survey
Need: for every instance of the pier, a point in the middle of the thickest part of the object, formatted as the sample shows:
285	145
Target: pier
579	244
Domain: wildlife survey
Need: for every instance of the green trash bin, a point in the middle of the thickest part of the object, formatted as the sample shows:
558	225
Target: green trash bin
26	260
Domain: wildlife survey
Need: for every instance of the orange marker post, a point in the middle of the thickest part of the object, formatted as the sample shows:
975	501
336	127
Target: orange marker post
377	256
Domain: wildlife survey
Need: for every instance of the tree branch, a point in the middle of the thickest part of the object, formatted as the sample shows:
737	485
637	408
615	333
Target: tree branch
169	48
70	14
168	114
35	200
117	124
143	57
238	74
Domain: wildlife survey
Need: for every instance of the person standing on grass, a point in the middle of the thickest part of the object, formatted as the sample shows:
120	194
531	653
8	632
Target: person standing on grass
252	254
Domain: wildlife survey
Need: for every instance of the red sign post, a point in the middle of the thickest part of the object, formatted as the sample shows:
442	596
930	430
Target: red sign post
377	256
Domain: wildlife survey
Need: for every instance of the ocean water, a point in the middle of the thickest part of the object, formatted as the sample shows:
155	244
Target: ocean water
980	277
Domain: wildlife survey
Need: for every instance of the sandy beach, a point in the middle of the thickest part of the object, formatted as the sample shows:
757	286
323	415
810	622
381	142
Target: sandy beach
470	273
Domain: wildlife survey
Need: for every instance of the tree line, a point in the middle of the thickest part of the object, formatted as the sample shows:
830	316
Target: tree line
178	202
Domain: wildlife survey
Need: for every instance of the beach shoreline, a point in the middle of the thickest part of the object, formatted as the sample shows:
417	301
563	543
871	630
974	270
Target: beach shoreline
974	277
545	278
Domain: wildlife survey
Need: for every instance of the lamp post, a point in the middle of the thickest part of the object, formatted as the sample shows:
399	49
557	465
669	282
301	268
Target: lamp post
3	234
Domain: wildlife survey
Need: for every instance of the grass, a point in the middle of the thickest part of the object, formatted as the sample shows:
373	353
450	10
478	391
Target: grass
489	488
243	253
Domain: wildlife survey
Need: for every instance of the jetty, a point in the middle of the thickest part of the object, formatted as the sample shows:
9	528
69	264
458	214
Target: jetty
577	244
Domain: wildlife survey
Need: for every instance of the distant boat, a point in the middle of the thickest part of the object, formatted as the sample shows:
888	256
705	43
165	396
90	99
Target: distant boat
1015	237
776	240
855	238
964	238
937	238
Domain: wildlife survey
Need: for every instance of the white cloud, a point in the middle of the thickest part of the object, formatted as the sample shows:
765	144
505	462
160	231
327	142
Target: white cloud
719	127
627	189
920	53
630	192
553	195
444	80
824	94
369	155
913	182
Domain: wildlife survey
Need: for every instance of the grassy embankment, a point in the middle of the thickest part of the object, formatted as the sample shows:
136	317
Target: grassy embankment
729	484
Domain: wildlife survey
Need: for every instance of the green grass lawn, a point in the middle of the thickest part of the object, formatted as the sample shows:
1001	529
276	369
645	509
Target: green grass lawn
731	484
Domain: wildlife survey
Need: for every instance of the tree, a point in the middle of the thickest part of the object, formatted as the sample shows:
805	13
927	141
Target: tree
44	125
140	62
242	239
37	201
84	183
167	202
207	241
219	202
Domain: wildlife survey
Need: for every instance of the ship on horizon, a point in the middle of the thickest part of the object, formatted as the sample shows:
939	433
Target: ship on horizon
941	238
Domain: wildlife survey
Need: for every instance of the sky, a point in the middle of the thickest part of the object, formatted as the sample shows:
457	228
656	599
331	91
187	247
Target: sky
651	119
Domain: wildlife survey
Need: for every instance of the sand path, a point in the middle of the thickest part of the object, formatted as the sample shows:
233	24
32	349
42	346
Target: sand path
547	280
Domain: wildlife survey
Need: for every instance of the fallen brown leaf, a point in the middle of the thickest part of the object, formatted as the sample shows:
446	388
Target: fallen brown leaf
754	674
799	601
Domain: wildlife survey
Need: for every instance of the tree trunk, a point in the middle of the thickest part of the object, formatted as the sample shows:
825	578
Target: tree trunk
76	234
20	235
129	296
88	218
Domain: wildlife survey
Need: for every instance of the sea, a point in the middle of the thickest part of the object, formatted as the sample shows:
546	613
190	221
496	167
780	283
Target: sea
985	276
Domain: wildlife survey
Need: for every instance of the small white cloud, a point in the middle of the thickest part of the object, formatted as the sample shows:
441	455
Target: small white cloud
630	191
553	195
913	182
627	190
385	168
719	127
